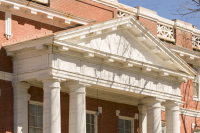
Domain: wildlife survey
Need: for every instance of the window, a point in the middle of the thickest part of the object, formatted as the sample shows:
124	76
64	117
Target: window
35	118
163	128
196	130
126	125
196	85
91	122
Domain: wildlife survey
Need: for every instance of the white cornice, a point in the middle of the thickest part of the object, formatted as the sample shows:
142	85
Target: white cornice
6	76
38	12
188	112
188	55
121	59
138	27
126	22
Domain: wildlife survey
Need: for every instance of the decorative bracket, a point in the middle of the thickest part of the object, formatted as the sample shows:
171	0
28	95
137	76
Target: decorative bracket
8	25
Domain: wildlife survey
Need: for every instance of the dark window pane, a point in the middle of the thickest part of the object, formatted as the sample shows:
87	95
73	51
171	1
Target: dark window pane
127	124
40	110
121	123
87	128
32	121
39	122
38	130
127	131
31	130
92	118
32	109
87	118
121	131
92	128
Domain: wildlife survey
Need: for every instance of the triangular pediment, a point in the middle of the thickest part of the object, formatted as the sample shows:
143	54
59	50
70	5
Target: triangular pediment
126	38
123	44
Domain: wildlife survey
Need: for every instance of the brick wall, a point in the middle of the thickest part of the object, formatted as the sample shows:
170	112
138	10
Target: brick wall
149	24
6	107
23	27
107	121
85	8
5	62
183	38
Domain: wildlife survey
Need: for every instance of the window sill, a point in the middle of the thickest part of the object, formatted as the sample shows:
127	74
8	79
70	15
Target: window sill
195	99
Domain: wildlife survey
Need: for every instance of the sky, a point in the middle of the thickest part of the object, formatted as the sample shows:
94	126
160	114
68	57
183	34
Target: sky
164	8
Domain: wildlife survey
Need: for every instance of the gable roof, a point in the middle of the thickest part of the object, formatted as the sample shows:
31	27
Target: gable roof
139	30
129	23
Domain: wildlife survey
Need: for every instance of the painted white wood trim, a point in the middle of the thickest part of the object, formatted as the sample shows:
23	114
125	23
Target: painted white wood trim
6	76
95	120
35	103
132	122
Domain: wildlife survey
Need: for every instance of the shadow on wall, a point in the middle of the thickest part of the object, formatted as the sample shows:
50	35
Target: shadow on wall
6	64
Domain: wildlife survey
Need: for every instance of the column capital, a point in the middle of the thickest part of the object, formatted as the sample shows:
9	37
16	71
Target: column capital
49	83
172	105
152	101
76	86
19	86
142	107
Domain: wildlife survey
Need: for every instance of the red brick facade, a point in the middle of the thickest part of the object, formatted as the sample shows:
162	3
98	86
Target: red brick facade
6	107
85	8
107	121
149	24
183	39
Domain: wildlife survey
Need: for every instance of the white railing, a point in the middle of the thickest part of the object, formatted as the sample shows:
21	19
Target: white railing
121	14
196	42
165	33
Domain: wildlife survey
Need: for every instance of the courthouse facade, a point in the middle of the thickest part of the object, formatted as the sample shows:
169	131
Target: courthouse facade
96	66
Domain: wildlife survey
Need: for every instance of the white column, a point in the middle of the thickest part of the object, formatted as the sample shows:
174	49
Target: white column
77	108
142	118
21	98
153	115
51	106
172	117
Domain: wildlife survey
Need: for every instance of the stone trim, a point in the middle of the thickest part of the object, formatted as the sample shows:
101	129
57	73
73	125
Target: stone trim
6	76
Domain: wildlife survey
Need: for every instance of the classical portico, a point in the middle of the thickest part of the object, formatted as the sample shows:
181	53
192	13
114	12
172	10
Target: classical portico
119	56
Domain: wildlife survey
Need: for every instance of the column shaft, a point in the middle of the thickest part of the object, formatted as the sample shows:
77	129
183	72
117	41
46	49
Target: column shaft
77	108
21	98
51	106
153	115
172	118
142	118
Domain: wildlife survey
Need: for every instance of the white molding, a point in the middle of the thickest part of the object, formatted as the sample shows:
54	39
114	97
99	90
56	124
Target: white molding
6	76
35	102
188	55
136	26
130	119
188	112
36	11
100	109
95	119
8	26
117	112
